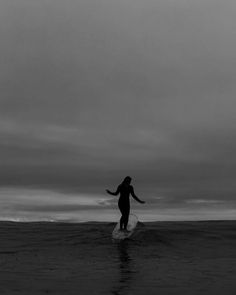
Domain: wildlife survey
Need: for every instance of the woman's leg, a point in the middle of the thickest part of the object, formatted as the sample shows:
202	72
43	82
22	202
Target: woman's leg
122	215
121	222
124	209
126	217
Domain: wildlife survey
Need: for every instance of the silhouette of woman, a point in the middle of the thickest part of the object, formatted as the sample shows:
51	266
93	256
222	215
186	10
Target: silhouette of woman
125	189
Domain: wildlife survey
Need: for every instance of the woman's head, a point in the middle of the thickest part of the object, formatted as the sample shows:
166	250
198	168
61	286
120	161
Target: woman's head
127	180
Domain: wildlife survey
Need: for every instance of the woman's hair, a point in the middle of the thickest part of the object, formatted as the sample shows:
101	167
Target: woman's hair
126	180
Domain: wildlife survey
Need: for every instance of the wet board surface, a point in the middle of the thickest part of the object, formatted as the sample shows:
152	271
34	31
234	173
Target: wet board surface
121	235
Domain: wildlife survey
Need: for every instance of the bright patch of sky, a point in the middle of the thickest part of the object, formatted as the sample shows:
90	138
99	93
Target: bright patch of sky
43	205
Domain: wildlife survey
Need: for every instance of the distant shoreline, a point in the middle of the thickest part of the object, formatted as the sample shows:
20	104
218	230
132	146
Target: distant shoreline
109	222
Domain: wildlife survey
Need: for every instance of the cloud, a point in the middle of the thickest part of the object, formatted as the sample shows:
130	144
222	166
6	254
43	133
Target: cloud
20	200
200	201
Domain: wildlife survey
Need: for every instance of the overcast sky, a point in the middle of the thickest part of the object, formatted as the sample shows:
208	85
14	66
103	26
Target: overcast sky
92	91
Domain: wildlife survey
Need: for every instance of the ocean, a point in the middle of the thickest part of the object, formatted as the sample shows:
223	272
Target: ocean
160	258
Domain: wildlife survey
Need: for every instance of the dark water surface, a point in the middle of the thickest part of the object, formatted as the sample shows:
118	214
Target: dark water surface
160	258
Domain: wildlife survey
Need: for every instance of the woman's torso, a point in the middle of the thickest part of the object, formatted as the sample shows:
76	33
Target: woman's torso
124	193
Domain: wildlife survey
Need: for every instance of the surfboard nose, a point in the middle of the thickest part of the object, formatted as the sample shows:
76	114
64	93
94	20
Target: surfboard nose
118	234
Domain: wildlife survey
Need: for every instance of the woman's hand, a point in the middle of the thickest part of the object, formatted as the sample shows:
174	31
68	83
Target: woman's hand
115	193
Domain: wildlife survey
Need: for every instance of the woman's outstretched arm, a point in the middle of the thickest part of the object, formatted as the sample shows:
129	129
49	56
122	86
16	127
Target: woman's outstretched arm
115	193
135	197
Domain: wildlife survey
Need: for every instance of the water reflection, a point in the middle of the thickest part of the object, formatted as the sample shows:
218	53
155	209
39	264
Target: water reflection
126	269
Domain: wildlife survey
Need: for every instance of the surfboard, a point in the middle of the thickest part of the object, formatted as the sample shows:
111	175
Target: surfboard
117	234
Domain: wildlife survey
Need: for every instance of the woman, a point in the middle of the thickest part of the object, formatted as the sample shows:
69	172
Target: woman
125	189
